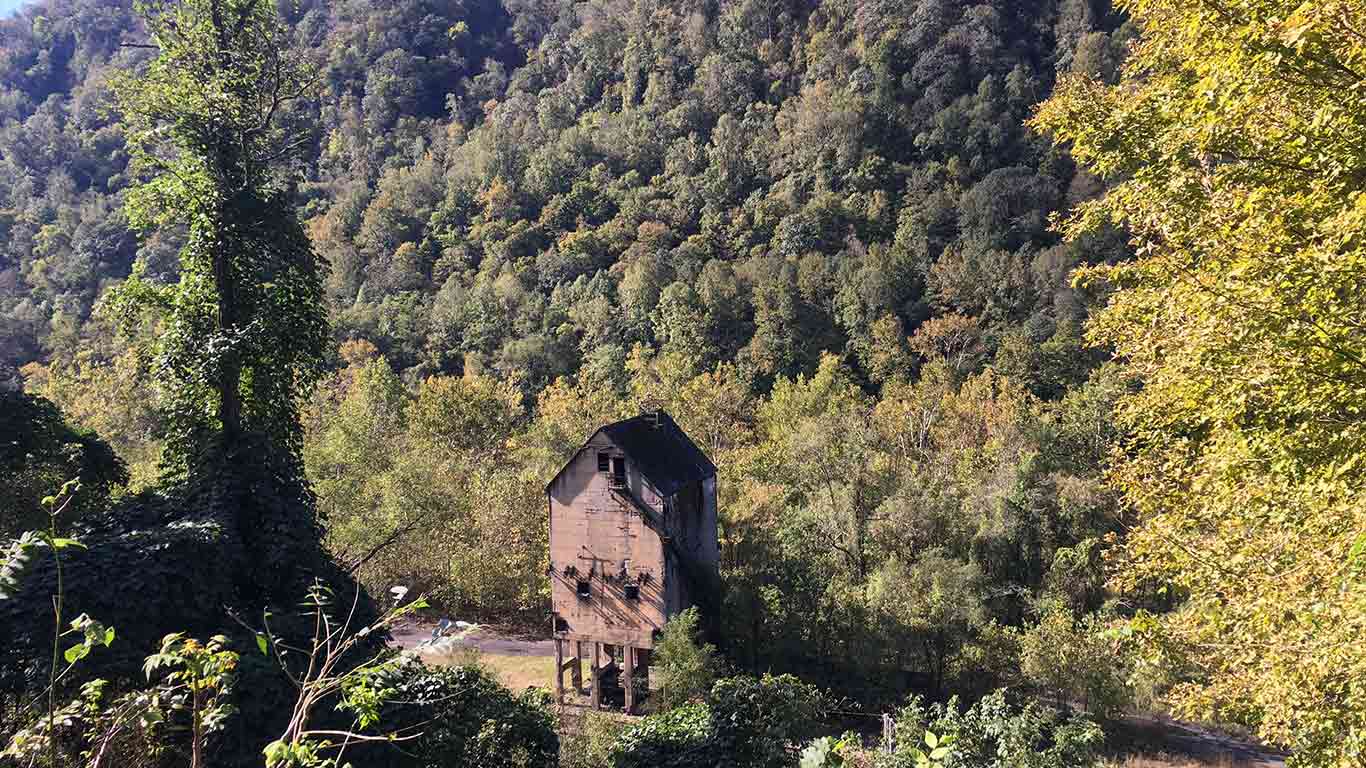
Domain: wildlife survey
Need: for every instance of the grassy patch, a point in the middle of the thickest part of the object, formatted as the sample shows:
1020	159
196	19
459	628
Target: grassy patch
516	671
519	672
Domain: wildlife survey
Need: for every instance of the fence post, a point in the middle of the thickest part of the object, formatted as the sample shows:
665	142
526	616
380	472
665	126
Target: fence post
888	733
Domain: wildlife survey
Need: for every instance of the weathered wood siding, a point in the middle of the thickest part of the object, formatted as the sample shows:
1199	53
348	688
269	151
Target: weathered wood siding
691	521
592	530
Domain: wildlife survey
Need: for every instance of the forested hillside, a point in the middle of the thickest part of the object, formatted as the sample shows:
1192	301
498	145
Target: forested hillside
532	188
821	234
817	232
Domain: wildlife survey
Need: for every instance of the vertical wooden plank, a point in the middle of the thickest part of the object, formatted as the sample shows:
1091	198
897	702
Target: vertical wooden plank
628	664
559	670
576	672
597	676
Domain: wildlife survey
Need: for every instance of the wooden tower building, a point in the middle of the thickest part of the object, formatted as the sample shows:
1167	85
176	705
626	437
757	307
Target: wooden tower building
632	542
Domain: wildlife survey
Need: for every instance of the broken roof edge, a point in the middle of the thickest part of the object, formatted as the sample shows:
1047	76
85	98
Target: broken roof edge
639	438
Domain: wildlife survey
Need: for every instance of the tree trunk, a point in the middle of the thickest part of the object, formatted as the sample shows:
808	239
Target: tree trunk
196	747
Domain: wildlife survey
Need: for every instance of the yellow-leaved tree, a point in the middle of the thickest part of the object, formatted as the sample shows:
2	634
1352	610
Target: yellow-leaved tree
1234	148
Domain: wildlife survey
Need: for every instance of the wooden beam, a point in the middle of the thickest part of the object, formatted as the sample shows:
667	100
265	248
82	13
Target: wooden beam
628	663
576	671
559	670
597	676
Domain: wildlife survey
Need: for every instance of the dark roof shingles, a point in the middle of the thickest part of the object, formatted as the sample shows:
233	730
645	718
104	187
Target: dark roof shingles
665	455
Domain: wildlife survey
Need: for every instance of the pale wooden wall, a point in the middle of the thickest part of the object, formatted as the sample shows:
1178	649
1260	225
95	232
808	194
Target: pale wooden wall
589	525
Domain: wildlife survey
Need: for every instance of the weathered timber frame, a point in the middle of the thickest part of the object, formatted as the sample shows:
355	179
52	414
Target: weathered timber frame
633	541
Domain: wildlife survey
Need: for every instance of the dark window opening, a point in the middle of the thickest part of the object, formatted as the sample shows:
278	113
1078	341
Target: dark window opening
604	462
619	471
585	589
632	591
561	625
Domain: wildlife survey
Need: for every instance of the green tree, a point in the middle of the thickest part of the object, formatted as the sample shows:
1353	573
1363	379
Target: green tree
350	452
111	397
1075	660
41	452
240	337
1231	144
242	333
687	665
236	342
936	606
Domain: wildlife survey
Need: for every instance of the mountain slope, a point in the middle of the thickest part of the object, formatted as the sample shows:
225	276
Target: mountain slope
535	187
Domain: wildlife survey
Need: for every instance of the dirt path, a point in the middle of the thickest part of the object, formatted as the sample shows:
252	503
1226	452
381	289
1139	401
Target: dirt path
484	639
1198	743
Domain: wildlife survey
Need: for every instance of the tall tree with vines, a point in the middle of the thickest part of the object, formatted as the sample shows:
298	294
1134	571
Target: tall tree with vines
213	130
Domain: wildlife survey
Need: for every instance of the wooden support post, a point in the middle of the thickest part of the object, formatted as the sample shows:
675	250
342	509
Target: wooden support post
643	669
597	676
559	670
628	664
576	671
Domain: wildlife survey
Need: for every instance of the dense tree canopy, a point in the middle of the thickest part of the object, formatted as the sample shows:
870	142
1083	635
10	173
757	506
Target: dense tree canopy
1233	142
532	188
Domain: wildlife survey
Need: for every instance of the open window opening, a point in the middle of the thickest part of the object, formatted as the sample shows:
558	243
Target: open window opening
604	462
619	471
561	625
585	589
632	591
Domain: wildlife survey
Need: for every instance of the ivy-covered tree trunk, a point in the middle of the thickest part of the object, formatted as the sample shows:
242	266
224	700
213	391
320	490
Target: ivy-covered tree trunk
240	339
230	370
237	343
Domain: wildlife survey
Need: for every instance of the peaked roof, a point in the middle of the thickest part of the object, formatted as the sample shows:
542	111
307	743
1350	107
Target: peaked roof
667	457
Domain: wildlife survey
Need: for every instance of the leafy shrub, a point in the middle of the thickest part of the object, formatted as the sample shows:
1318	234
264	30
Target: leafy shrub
994	733
1073	659
178	719
683	736
39	453
686	666
141	567
831	752
590	742
159	562
754	719
464	717
745	721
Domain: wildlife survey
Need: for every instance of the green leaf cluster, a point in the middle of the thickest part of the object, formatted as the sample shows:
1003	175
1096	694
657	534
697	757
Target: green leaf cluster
1230	147
995	732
